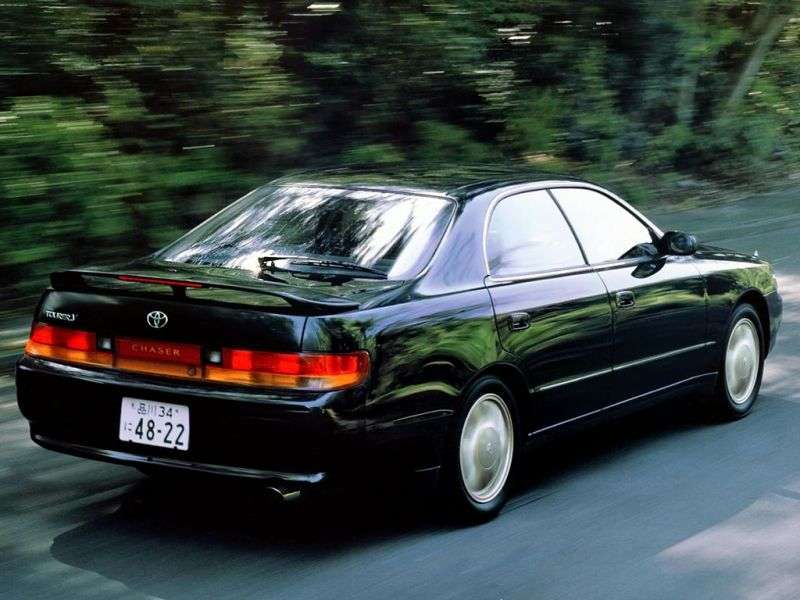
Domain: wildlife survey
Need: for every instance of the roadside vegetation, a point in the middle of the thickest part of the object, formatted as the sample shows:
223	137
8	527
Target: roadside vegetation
125	122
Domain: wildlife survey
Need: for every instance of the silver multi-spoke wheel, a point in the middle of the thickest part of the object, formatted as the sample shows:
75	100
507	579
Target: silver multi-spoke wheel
742	361
486	448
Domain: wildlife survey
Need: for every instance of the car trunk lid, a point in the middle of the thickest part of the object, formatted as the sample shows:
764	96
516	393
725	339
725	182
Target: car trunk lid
229	285
202	308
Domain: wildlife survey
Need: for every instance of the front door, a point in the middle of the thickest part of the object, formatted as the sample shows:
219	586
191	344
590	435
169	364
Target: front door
552	310
659	324
658	302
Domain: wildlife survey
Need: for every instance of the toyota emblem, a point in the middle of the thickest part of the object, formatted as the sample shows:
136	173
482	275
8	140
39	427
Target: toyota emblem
157	319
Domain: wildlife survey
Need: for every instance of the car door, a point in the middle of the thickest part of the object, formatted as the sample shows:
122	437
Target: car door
552	310
659	302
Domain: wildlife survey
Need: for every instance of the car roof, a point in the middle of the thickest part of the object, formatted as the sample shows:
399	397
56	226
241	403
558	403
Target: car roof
460	182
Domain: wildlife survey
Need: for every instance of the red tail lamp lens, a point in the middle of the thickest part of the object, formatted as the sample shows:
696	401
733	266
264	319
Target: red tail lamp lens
62	337
71	345
295	364
291	370
285	370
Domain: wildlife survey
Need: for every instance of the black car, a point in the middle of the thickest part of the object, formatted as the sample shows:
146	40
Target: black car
338	324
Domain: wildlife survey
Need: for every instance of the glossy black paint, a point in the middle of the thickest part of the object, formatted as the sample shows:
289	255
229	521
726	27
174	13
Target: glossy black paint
668	312
570	336
584	349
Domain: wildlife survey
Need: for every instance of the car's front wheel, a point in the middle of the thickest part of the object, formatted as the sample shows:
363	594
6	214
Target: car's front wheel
481	452
742	366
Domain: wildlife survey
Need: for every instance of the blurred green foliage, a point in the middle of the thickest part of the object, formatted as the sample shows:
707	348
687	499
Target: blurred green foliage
125	122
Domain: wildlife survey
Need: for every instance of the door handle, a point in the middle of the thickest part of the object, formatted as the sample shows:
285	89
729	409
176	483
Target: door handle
626	299
519	321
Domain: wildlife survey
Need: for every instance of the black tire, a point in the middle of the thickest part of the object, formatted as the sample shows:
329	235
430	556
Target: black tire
458	502
723	401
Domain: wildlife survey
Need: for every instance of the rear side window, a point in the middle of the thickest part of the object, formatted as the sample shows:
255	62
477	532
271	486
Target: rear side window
607	231
528	234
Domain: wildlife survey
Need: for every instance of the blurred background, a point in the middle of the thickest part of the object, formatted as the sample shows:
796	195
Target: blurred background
123	123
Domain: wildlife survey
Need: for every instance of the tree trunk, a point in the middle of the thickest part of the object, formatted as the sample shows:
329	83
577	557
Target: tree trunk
685	110
694	49
775	25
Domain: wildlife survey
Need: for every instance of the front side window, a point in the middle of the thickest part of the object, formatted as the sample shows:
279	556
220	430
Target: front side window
607	231
528	234
393	233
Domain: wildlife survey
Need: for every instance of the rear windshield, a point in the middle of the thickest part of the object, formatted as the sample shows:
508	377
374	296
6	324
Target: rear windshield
395	233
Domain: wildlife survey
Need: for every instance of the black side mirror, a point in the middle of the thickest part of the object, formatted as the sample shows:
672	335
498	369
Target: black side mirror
678	243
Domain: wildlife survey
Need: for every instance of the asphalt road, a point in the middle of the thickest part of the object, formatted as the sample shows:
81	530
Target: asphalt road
664	504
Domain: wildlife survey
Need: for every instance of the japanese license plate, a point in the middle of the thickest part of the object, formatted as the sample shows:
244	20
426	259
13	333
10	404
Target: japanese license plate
154	423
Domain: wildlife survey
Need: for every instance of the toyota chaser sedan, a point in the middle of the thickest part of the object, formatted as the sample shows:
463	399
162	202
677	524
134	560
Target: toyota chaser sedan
343	324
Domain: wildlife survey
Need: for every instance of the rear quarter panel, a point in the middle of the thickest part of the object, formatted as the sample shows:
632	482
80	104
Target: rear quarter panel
424	351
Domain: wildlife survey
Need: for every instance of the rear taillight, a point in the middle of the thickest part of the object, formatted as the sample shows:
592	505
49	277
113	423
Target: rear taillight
73	345
291	370
286	370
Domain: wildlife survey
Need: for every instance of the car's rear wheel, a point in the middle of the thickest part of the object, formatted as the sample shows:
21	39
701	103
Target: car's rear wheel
742	366
481	452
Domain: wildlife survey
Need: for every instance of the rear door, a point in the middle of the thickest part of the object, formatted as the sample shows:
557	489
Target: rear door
658	301
552	310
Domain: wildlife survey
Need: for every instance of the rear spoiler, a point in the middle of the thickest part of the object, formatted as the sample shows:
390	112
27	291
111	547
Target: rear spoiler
73	279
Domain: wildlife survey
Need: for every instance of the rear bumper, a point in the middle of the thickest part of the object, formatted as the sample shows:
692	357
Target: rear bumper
140	460
302	439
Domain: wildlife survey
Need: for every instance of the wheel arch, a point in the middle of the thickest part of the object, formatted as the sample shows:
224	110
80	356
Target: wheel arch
756	299
512	377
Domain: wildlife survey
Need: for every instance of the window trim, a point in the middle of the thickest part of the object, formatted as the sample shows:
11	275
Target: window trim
542	272
560	184
454	214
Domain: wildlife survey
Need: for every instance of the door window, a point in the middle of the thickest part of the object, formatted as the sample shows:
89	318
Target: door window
607	231
528	234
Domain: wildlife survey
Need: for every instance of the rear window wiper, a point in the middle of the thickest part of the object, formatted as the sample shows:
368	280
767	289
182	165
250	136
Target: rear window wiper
347	270
267	263
340	264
